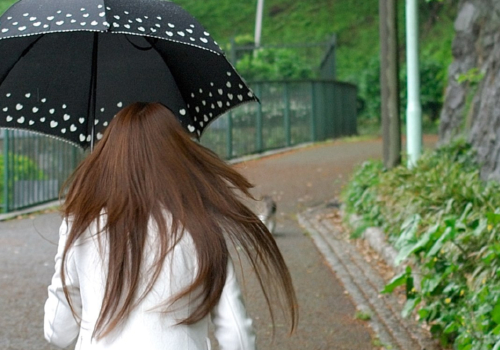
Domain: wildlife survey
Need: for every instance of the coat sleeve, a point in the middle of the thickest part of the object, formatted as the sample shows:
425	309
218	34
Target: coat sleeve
60	326
233	327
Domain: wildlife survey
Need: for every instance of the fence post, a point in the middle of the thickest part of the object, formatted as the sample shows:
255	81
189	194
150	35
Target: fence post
343	91
321	112
314	111
5	171
258	139
288	136
339	98
233	51
354	110
74	157
229	136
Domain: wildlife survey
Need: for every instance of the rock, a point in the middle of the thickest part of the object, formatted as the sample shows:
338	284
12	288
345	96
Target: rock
457	96
465	18
470	107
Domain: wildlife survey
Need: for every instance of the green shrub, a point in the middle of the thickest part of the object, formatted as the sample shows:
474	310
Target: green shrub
443	215
369	90
274	64
21	168
432	84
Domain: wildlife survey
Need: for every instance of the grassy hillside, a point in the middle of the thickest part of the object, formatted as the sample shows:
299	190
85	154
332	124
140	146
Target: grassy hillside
4	4
355	23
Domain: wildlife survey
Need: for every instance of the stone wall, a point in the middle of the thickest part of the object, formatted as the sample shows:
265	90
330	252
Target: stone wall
474	108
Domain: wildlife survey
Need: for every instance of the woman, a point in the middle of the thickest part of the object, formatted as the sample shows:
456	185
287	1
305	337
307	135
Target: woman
143	260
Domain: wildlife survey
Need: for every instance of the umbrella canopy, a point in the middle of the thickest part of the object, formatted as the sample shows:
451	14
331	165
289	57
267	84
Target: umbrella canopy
68	66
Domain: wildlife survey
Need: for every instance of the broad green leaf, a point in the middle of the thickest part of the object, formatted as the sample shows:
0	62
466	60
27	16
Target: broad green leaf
466	212
440	242
452	327
423	313
451	287
429	284
397	281
358	232
493	218
450	221
484	309
495	313
406	251
497	346
449	205
488	258
496	330
409	228
410	306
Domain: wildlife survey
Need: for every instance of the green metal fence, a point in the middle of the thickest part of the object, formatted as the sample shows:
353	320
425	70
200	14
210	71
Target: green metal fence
290	113
33	167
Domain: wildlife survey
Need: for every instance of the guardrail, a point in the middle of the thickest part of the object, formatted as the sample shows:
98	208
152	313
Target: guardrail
33	167
290	113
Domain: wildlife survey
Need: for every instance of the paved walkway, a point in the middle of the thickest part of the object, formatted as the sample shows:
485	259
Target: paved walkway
298	180
364	281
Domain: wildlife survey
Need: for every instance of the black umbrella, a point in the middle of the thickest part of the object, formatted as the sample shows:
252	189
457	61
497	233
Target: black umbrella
67	66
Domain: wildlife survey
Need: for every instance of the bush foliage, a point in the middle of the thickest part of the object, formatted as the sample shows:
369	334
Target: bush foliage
447	219
290	21
20	168
432	85
274	64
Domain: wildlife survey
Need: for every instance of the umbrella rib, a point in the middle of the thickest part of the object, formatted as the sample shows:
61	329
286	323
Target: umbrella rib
24	53
138	47
93	92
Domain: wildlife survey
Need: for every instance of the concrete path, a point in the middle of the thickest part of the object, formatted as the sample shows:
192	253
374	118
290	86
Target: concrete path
298	180
363	281
27	249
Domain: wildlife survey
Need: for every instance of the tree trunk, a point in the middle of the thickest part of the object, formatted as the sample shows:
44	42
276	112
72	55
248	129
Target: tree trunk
391	125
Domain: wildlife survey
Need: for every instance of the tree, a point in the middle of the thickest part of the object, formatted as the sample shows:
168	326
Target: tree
391	125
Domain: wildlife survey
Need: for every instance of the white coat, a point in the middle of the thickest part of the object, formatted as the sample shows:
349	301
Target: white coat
145	328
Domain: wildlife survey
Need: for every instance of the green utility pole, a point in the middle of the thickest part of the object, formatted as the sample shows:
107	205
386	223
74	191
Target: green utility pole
258	22
391	125
414	108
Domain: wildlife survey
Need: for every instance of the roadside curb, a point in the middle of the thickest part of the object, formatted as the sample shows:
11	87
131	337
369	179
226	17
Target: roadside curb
273	152
363	283
30	210
377	241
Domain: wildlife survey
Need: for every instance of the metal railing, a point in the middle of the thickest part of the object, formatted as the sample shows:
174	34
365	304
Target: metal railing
33	167
290	113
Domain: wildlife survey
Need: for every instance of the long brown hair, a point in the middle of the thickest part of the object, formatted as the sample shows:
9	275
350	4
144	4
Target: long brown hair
145	164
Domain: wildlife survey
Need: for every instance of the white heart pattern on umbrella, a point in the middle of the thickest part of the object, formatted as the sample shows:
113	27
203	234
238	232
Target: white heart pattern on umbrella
167	29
